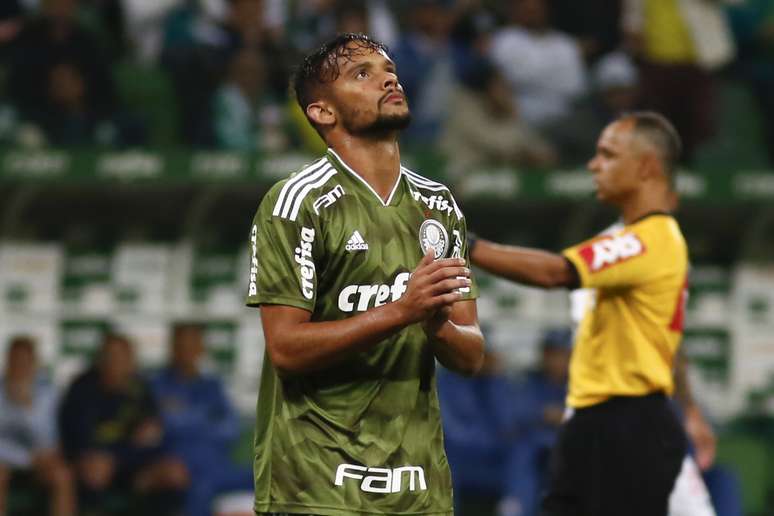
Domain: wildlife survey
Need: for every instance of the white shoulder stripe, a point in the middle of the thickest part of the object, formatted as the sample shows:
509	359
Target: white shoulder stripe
297	205
299	186
457	209
428	184
416	183
421	179
298	177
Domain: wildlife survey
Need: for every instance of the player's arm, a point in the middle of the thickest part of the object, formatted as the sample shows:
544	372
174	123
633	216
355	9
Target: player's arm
524	265
697	428
297	345
456	338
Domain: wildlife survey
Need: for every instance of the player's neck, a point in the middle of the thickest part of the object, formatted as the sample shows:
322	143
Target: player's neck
376	161
643	203
186	372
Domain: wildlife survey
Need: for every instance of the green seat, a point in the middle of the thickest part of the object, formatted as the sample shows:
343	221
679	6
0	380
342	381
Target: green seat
750	457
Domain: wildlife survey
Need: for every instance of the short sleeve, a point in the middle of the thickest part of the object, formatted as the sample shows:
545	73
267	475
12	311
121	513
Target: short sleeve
283	254
619	260
460	248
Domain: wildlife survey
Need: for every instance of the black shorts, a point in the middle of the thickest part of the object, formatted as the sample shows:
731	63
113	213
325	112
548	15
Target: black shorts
620	457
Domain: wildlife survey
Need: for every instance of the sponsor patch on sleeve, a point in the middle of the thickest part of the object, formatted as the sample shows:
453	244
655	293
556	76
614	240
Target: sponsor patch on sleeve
253	287
609	251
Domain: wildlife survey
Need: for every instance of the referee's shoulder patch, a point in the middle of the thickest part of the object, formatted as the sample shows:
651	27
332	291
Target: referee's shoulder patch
608	251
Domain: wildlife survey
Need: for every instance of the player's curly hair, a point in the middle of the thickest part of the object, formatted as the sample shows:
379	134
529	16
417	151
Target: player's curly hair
323	65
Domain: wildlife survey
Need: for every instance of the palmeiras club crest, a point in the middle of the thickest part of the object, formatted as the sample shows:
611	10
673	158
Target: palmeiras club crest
432	235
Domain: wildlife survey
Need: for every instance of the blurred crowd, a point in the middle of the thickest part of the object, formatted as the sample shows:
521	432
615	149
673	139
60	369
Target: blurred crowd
491	83
117	440
499	430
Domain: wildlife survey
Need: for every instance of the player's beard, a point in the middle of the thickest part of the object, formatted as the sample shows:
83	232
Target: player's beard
389	123
383	124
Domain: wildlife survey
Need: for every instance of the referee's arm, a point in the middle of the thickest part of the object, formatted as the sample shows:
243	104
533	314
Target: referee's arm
524	265
696	425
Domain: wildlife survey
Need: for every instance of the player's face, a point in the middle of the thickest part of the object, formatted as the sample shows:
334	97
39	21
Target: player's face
368	97
116	362
21	363
615	163
188	348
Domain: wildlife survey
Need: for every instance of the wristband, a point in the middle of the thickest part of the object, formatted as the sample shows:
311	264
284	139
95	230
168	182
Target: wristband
472	241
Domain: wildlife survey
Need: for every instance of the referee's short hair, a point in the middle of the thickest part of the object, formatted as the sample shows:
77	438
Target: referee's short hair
660	132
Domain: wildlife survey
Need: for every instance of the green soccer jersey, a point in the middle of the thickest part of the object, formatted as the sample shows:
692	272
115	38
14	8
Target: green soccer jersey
363	436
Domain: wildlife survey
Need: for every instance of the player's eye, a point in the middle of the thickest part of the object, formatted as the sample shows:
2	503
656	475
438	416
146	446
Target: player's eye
362	74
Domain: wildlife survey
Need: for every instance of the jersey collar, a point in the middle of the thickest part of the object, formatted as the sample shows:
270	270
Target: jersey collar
652	214
340	164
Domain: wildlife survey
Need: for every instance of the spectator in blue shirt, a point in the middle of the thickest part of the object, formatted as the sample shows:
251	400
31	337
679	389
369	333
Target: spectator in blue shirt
529	414
201	424
28	440
111	431
423	56
474	447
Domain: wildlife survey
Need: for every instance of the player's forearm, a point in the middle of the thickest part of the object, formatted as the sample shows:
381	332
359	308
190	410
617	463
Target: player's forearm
459	347
522	265
312	346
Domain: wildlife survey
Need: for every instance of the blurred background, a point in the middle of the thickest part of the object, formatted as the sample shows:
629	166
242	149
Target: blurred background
137	138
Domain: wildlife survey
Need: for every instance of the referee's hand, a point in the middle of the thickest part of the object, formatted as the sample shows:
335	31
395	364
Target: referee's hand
434	285
703	438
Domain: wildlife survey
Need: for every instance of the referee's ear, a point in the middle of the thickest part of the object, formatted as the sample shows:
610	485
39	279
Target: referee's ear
650	164
651	167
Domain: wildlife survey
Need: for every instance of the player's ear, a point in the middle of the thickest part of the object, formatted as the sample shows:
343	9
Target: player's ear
321	113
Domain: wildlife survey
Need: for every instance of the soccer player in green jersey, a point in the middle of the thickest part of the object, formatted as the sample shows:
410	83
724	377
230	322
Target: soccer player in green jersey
359	267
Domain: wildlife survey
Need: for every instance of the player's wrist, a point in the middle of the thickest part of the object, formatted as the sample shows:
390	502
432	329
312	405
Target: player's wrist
400	313
434	325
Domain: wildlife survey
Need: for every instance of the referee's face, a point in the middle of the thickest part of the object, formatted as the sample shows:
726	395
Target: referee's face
616	163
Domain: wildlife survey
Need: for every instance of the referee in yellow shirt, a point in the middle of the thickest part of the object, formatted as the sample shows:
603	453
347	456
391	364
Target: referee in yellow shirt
620	451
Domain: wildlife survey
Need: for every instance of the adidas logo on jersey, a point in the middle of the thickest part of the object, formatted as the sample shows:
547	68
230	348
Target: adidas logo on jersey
356	242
